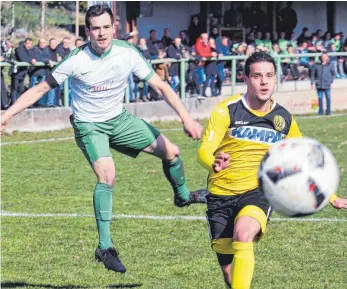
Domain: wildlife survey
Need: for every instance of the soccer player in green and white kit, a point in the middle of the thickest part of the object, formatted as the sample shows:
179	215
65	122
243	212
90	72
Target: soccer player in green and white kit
99	72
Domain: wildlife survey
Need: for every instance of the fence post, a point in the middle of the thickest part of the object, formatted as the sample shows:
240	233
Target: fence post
278	68
182	78
66	92
233	75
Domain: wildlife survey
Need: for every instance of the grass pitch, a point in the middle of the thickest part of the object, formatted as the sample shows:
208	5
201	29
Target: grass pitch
57	252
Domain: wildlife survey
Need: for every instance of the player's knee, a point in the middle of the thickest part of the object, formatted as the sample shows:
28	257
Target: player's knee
107	177
243	235
172	152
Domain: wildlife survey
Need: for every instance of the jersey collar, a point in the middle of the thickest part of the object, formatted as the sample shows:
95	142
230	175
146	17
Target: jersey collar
97	54
255	112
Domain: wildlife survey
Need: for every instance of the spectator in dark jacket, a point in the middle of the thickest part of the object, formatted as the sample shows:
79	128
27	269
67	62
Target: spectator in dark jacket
194	30
175	52
166	39
38	74
63	48
322	77
211	70
53	96
154	44
184	38
22	54
223	49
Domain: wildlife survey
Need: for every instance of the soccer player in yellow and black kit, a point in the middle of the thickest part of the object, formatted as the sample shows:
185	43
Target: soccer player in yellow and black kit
239	133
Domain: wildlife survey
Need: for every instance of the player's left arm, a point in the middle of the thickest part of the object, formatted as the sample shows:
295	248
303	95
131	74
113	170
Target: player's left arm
336	202
144	71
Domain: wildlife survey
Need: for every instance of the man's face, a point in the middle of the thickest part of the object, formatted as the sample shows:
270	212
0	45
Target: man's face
100	32
53	44
66	43
204	37
276	47
177	42
325	58
283	34
261	81
28	44
153	35
42	43
224	41
215	30
267	35
304	45
167	33
78	43
142	42
259	35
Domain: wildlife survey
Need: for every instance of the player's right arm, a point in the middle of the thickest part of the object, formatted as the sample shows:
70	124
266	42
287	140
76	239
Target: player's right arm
215	131
294	131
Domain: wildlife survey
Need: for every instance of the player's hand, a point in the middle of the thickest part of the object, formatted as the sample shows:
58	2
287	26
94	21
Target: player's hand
221	162
4	119
193	129
340	203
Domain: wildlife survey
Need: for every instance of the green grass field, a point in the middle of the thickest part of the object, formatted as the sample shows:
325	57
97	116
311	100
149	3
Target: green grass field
57	251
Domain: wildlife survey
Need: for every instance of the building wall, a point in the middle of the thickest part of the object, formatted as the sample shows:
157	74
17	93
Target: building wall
312	15
341	17
172	15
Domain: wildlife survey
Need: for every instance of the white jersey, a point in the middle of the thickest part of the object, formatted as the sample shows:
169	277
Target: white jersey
98	82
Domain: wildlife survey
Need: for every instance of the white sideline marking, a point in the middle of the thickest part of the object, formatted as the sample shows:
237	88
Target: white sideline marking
163	130
160	218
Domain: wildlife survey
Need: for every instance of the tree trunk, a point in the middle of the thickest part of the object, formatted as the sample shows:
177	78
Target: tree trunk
43	11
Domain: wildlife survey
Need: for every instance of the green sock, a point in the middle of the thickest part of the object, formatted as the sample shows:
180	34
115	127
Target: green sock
103	213
174	172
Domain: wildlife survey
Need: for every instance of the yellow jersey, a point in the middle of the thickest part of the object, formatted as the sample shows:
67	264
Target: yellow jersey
246	135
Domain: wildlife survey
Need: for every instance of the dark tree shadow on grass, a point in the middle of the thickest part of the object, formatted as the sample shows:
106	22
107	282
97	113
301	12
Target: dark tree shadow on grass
7	285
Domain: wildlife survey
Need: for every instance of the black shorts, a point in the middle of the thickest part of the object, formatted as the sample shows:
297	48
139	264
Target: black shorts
223	211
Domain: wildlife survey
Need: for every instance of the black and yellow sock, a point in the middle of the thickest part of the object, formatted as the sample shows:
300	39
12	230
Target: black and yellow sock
242	266
174	172
103	213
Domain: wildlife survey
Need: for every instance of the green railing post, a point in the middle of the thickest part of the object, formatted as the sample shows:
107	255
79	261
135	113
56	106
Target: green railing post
66	93
233	75
183	78
127	94
278	67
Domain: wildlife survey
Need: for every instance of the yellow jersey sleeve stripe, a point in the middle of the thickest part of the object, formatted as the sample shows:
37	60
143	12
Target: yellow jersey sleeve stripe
294	131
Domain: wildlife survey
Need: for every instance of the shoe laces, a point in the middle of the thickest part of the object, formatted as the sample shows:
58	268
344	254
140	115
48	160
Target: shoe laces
114	252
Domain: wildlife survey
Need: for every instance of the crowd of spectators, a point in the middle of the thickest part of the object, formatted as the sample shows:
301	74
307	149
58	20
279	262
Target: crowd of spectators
205	72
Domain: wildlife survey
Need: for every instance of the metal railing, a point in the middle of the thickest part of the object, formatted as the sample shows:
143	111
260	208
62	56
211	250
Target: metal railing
182	62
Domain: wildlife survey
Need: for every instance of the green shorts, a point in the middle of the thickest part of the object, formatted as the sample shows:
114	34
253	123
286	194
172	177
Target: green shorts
125	133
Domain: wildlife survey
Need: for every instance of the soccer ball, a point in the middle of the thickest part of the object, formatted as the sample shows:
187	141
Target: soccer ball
298	176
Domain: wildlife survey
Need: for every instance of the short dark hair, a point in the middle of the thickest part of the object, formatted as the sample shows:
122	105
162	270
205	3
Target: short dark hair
152	30
28	39
256	57
98	10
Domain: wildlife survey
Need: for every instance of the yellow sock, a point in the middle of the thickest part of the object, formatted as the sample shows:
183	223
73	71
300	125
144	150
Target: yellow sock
242	266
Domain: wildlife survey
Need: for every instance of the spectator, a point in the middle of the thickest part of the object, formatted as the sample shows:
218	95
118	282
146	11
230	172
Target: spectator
290	63
336	62
166	40
38	74
63	48
192	75
282	42
203	49
304	35
194	30
259	41
327	38
53	96
336	41
274	37
6	55
322	77
319	33
287	19
184	38
79	42
223	49
175	52
267	41
23	53
292	41
211	70
154	44
250	39
344	58
311	44
162	70
142	47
